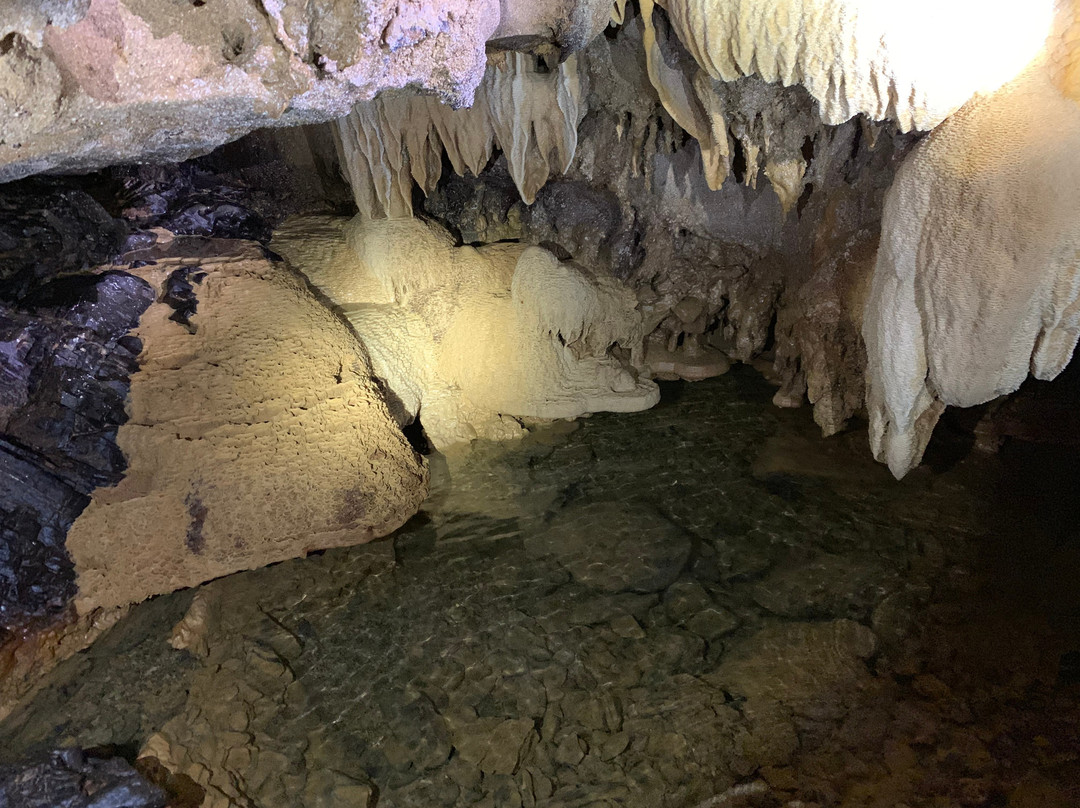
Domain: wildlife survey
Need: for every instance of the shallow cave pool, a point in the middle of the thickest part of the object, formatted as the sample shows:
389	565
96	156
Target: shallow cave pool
704	604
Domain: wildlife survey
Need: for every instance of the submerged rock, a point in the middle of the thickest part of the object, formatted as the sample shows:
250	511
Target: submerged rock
68	778
802	666
615	546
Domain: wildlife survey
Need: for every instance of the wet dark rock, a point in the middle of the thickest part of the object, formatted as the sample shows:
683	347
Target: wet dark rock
573	219
713	623
181	296
615	546
48	227
189	200
827	586
494	745
217	220
795	663
68	778
65	361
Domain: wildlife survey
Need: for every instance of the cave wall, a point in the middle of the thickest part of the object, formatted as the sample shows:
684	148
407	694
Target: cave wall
98	82
779	255
728	166
796	287
752	85
65	362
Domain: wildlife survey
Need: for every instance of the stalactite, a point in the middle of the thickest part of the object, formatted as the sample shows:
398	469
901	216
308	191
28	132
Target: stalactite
769	129
395	140
914	65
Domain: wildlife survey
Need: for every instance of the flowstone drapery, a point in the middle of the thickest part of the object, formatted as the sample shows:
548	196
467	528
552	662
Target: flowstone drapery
473	339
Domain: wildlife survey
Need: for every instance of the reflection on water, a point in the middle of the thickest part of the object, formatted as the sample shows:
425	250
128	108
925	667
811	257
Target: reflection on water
703	604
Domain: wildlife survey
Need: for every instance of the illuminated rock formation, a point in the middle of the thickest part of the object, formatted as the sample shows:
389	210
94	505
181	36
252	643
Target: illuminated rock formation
81	85
256	434
915	66
977	280
472	339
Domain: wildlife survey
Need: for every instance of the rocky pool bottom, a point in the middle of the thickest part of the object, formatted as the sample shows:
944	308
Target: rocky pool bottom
705	604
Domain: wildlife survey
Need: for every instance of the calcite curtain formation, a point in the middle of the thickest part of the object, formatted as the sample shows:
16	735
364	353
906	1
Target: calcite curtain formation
977	280
531	116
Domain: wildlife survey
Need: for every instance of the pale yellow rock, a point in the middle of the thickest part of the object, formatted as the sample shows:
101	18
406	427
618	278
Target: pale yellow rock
259	437
786	177
469	338
395	140
977	281
190	633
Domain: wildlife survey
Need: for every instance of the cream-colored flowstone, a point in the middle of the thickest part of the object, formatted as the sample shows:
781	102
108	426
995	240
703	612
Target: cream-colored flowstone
472	339
256	434
977	281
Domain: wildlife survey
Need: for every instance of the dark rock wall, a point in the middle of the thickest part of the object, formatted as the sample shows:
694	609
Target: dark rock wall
65	361
73	779
53	225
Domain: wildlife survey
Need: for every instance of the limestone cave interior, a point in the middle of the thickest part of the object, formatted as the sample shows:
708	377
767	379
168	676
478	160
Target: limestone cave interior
552	404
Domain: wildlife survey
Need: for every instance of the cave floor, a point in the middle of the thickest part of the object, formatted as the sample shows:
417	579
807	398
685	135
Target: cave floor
702	604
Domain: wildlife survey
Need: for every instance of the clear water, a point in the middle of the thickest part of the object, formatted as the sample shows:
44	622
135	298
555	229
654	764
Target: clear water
703	604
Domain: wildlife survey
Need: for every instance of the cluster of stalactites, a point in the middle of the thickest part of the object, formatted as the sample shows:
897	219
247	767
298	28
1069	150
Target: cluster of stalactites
769	128
531	113
914	67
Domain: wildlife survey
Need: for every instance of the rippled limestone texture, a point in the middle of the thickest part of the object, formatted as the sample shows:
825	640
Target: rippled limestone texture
977	281
473	339
256	434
